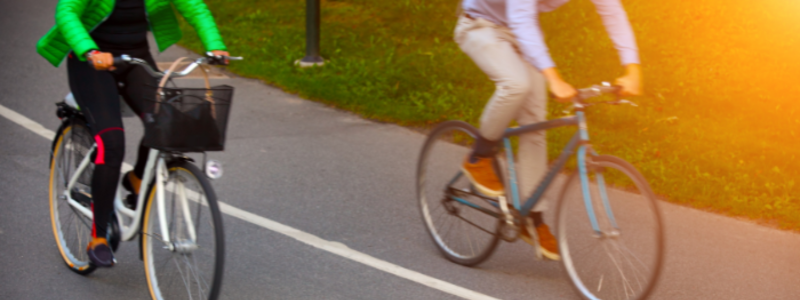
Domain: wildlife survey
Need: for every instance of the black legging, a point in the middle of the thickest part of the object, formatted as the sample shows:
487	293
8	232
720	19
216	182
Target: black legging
97	94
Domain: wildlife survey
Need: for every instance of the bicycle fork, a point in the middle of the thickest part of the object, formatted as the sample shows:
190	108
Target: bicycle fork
181	246
583	170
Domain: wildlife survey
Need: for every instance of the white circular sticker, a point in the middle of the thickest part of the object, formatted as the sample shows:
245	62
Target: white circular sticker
213	169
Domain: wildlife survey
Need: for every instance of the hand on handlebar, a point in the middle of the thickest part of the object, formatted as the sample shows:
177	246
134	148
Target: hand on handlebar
631	82
220	57
562	90
101	61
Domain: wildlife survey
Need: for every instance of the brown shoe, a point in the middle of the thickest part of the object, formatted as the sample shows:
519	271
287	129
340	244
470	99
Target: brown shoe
131	183
547	242
482	176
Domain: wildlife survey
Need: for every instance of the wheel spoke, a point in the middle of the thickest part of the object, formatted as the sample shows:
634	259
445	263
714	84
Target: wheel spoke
201	280
626	286
449	222
183	277
627	254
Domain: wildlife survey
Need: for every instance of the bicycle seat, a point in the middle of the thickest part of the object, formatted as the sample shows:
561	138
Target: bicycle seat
123	106
70	101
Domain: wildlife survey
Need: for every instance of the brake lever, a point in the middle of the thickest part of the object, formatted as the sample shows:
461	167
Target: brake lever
617	90
220	59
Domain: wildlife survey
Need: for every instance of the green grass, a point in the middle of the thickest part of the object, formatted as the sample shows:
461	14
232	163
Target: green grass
718	128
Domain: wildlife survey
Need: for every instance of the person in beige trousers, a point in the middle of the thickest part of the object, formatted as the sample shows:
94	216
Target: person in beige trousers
503	38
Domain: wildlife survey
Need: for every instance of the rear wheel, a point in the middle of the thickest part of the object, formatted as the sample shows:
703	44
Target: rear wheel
623	260
72	229
462	224
190	265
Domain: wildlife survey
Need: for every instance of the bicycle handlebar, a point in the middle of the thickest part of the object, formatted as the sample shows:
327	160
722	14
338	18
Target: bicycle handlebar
220	59
598	90
209	59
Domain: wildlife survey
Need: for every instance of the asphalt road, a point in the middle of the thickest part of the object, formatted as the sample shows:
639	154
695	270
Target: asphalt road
331	175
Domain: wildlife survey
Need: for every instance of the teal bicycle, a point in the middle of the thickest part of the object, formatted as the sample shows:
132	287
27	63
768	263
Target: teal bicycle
608	224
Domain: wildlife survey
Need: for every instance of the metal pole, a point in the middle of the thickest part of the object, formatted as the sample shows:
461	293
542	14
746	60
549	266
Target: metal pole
312	57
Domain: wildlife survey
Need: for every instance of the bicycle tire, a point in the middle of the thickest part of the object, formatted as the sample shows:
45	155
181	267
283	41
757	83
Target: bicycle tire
440	160
164	267
71	229
630	223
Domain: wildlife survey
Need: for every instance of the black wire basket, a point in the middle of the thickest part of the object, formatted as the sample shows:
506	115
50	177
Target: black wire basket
187	119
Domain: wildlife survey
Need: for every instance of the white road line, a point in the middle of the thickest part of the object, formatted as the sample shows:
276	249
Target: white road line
38	128
27	123
344	251
307	238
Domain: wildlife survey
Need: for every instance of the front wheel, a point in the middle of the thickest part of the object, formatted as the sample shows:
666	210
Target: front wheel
621	260
190	265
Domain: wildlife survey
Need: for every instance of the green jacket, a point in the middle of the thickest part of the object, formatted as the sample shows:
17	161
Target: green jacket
76	18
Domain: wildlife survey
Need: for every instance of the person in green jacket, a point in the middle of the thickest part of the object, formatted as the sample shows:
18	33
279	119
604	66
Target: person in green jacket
89	33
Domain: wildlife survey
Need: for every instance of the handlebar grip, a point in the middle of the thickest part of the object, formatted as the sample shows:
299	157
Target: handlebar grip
212	59
216	60
614	89
119	61
596	90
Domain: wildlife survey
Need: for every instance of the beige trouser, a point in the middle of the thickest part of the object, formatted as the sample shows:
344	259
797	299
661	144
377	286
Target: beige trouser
520	95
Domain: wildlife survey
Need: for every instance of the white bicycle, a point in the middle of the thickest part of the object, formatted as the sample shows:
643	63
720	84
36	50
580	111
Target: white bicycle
176	215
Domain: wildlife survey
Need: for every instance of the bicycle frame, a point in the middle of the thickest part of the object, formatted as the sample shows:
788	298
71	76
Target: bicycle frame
579	141
155	162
